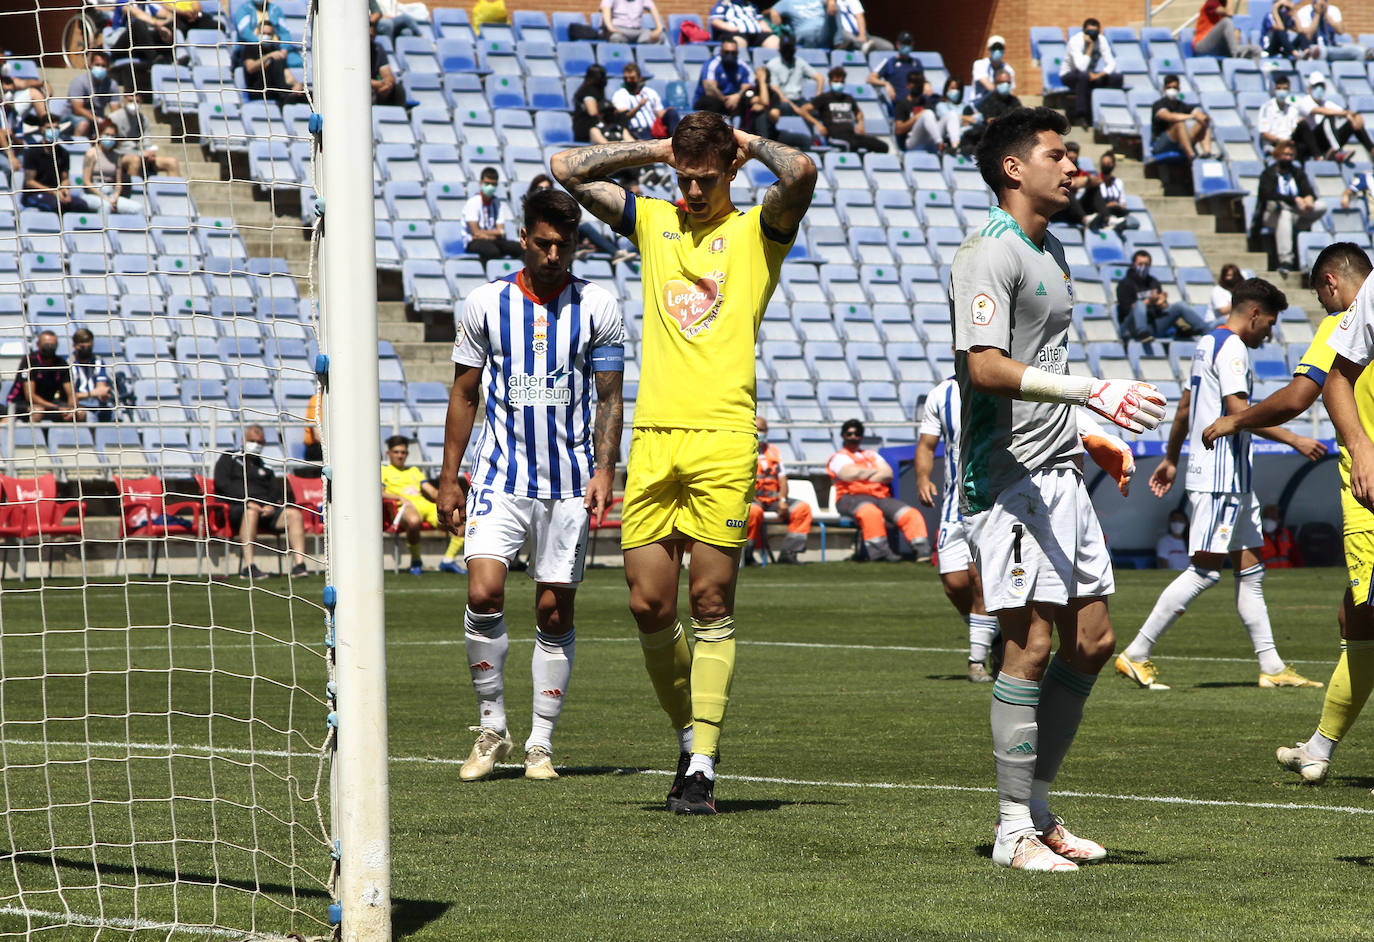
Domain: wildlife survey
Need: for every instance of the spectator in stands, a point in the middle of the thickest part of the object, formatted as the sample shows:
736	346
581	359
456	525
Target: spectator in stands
188	15
1219	304
1000	100
386	88
1171	552
1279	119
387	17
42	390
1322	24
486	215
863	490
1106	200
1215	34
725	85
1081	180
1088	64
91	93
25	96
593	120
921	127
91	383
1331	123
248	19
1143	310
838	111
622	21
1173	123
146	30
47	176
734	19
1286	201
770	496
264	68
132	146
1280	37
892	74
257	502
985	69
812	22
640	108
1280	549
781	85
1362	185
853	29
12	159
104	174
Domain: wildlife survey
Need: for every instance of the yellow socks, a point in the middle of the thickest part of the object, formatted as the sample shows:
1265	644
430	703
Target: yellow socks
1349	688
669	662
455	548
713	667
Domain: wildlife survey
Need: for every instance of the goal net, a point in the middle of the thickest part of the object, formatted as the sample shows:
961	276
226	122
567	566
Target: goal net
168	720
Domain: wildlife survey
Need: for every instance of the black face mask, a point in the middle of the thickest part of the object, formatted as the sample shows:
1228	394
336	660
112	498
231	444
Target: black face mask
1091	33
1285	166
48	351
788	51
729	58
1108	172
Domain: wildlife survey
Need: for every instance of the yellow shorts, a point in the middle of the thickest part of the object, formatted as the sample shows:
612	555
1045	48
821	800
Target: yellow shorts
1359	563
688	482
429	511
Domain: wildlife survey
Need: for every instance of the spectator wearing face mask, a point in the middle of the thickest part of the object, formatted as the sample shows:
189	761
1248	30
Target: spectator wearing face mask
1279	118
1171	552
1280	37
91	92
141	157
863	490
42	389
486	215
1088	64
1215	34
1331	123
47	176
1000	100
1081	179
985	69
1220	301
1280	550
812	21
91	383
1143	310
1321	22
854	32
248	19
726	84
782	85
1105	202
103	173
640	108
1286	202
936	129
1175	124
733	19
891	76
257	501
264	67
844	122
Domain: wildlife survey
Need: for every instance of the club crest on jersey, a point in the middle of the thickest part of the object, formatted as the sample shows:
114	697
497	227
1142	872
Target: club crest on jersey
1238	366
718	244
1350	312
981	309
540	334
694	306
1018	579
1068	284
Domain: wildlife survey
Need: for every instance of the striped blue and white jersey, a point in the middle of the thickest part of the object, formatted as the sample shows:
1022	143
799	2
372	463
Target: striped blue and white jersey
940	418
1221	368
539	360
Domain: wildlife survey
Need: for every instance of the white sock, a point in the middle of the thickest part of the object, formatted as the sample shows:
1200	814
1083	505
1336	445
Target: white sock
703	764
551	670
1319	747
684	739
487	644
982	631
1173	601
1255	616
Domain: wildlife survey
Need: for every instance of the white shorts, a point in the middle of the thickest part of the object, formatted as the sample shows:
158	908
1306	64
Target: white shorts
1041	541
498	524
951	547
1223	523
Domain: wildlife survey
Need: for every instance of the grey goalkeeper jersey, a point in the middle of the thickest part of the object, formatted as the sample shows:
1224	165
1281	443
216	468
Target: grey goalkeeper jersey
1007	293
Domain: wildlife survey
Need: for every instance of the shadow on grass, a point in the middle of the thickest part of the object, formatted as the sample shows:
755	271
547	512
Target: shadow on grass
963	677
412	915
740	805
1131	858
1352	781
1223	684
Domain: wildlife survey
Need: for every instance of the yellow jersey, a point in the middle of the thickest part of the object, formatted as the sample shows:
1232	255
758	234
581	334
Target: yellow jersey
705	289
402	481
1316	364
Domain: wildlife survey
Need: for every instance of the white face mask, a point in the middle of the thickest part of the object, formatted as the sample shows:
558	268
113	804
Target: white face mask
1270	525
1177	528
1171	94
252	448
1318	94
131	106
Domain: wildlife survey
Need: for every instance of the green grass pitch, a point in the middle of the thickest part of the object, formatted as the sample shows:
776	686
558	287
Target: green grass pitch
855	789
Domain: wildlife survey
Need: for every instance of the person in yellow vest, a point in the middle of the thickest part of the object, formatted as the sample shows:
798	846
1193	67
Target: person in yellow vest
770	496
863	490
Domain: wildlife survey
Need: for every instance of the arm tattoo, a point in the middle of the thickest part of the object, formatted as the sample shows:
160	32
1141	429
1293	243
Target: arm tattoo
610	420
583	172
787	200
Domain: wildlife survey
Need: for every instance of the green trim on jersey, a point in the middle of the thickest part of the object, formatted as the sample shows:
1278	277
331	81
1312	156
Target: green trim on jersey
1000	221
980	424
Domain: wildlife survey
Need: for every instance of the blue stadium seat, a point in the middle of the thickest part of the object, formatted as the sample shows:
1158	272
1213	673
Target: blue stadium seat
505	91
546	94
430	125
574	58
554	127
416	55
452	22
458	55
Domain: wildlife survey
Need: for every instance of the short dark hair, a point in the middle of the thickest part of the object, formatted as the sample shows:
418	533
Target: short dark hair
489	173
1091	21
1014	133
82	335
1139	252
701	136
1171	79
1342	258
554	207
1259	292
855	424
837	72
395	440
102	53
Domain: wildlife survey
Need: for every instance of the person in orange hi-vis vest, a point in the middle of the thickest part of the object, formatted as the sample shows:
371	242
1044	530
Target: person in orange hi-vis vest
770	496
863	490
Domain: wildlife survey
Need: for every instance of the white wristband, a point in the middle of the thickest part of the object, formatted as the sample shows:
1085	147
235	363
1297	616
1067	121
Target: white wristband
1039	385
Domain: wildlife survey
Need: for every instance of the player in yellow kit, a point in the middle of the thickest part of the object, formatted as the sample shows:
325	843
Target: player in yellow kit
415	497
708	271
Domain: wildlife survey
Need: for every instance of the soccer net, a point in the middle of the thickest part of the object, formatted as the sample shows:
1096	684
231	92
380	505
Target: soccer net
167	714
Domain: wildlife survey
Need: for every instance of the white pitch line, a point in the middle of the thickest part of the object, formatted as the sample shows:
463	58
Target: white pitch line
115	922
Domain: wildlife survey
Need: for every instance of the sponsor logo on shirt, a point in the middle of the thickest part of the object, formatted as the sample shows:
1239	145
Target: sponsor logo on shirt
981	309
525	389
672	236
734	524
1055	359
1040	291
694	306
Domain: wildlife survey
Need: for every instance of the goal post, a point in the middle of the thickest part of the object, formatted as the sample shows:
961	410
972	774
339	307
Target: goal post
349	317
